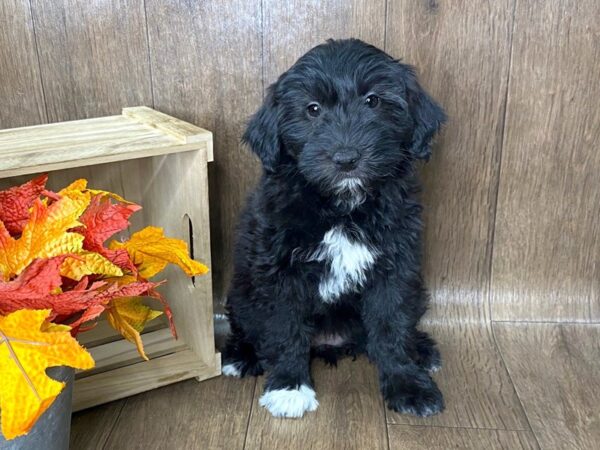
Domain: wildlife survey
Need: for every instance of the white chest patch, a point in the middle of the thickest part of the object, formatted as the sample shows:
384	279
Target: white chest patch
348	260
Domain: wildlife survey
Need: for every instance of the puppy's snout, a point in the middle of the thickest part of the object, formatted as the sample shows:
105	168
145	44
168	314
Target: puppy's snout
346	159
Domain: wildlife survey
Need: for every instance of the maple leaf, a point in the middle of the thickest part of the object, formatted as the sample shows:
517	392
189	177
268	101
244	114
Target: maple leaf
102	219
88	263
27	349
45	235
129	316
38	287
151	251
16	201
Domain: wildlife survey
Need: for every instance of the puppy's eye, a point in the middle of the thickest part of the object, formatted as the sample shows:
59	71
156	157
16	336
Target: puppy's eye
313	110
372	101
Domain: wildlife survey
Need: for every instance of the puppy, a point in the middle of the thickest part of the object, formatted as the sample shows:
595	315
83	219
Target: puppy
328	256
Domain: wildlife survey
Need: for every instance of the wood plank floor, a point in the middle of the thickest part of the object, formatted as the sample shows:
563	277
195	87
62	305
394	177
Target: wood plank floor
522	386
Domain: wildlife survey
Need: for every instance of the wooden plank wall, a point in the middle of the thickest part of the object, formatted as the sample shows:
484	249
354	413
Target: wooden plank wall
512	192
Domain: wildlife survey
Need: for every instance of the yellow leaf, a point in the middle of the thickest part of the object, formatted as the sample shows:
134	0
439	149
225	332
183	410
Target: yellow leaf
45	235
110	194
25	353
77	186
151	251
87	263
81	186
128	315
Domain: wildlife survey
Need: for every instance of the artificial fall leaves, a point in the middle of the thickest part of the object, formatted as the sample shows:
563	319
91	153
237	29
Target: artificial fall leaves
54	258
27	349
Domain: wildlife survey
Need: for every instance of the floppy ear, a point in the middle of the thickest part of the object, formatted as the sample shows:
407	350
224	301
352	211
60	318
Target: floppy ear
262	133
427	114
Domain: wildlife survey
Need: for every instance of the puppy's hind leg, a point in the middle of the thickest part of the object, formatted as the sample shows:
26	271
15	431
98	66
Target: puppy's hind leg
239	356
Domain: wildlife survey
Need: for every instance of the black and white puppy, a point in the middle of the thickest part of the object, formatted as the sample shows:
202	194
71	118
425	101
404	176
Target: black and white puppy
328	257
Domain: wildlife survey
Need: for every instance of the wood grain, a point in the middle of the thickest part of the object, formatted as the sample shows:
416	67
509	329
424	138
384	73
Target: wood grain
461	50
21	92
93	56
206	69
474	381
404	437
291	28
555	369
210	415
547	246
91	428
350	413
141	377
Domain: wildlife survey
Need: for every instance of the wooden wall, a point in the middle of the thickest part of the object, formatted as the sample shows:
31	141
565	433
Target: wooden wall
512	192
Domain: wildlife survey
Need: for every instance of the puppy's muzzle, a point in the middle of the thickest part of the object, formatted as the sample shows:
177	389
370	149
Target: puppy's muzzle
346	159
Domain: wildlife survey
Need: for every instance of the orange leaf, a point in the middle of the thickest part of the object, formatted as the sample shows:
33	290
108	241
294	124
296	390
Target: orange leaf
151	251
129	316
26	350
45	235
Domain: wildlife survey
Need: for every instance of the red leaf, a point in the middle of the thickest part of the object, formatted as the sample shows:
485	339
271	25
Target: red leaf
120	258
101	220
39	279
16	201
35	288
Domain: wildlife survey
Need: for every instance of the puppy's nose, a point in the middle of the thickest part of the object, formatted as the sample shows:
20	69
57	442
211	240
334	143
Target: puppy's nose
346	159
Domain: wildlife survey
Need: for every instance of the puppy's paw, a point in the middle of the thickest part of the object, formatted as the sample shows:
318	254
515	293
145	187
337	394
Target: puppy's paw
416	397
290	402
232	369
240	369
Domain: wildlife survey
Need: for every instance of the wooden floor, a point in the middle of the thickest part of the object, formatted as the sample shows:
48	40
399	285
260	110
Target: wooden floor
509	386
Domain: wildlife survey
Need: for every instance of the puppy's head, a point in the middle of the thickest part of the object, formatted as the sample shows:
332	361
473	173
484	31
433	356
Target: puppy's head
346	115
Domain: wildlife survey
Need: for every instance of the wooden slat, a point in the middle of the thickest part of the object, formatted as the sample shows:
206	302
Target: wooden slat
21	93
144	376
547	246
210	415
103	333
474	381
403	437
206	69
350	413
79	143
90	429
461	50
90	156
121	353
293	27
555	369
93	56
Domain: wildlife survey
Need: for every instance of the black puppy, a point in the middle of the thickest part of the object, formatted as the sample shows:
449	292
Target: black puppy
328	258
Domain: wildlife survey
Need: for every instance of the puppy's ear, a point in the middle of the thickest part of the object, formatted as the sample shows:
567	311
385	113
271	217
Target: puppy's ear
427	114
262	134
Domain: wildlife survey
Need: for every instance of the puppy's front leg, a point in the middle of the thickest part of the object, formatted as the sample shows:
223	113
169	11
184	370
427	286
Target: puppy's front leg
391	309
286	350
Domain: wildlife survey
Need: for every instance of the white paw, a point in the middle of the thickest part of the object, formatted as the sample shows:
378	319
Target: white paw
289	402
231	370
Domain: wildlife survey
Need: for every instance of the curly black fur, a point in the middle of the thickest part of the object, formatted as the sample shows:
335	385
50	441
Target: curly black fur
349	169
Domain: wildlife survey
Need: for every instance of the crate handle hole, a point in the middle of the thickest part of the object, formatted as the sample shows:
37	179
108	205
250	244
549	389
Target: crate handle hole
190	228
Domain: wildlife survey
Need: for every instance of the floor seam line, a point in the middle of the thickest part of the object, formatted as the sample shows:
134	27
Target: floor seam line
499	350
114	424
250	413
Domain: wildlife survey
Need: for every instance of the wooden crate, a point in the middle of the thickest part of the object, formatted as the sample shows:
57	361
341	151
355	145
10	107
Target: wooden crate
160	163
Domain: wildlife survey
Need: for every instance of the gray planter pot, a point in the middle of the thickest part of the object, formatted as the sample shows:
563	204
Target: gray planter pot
51	431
